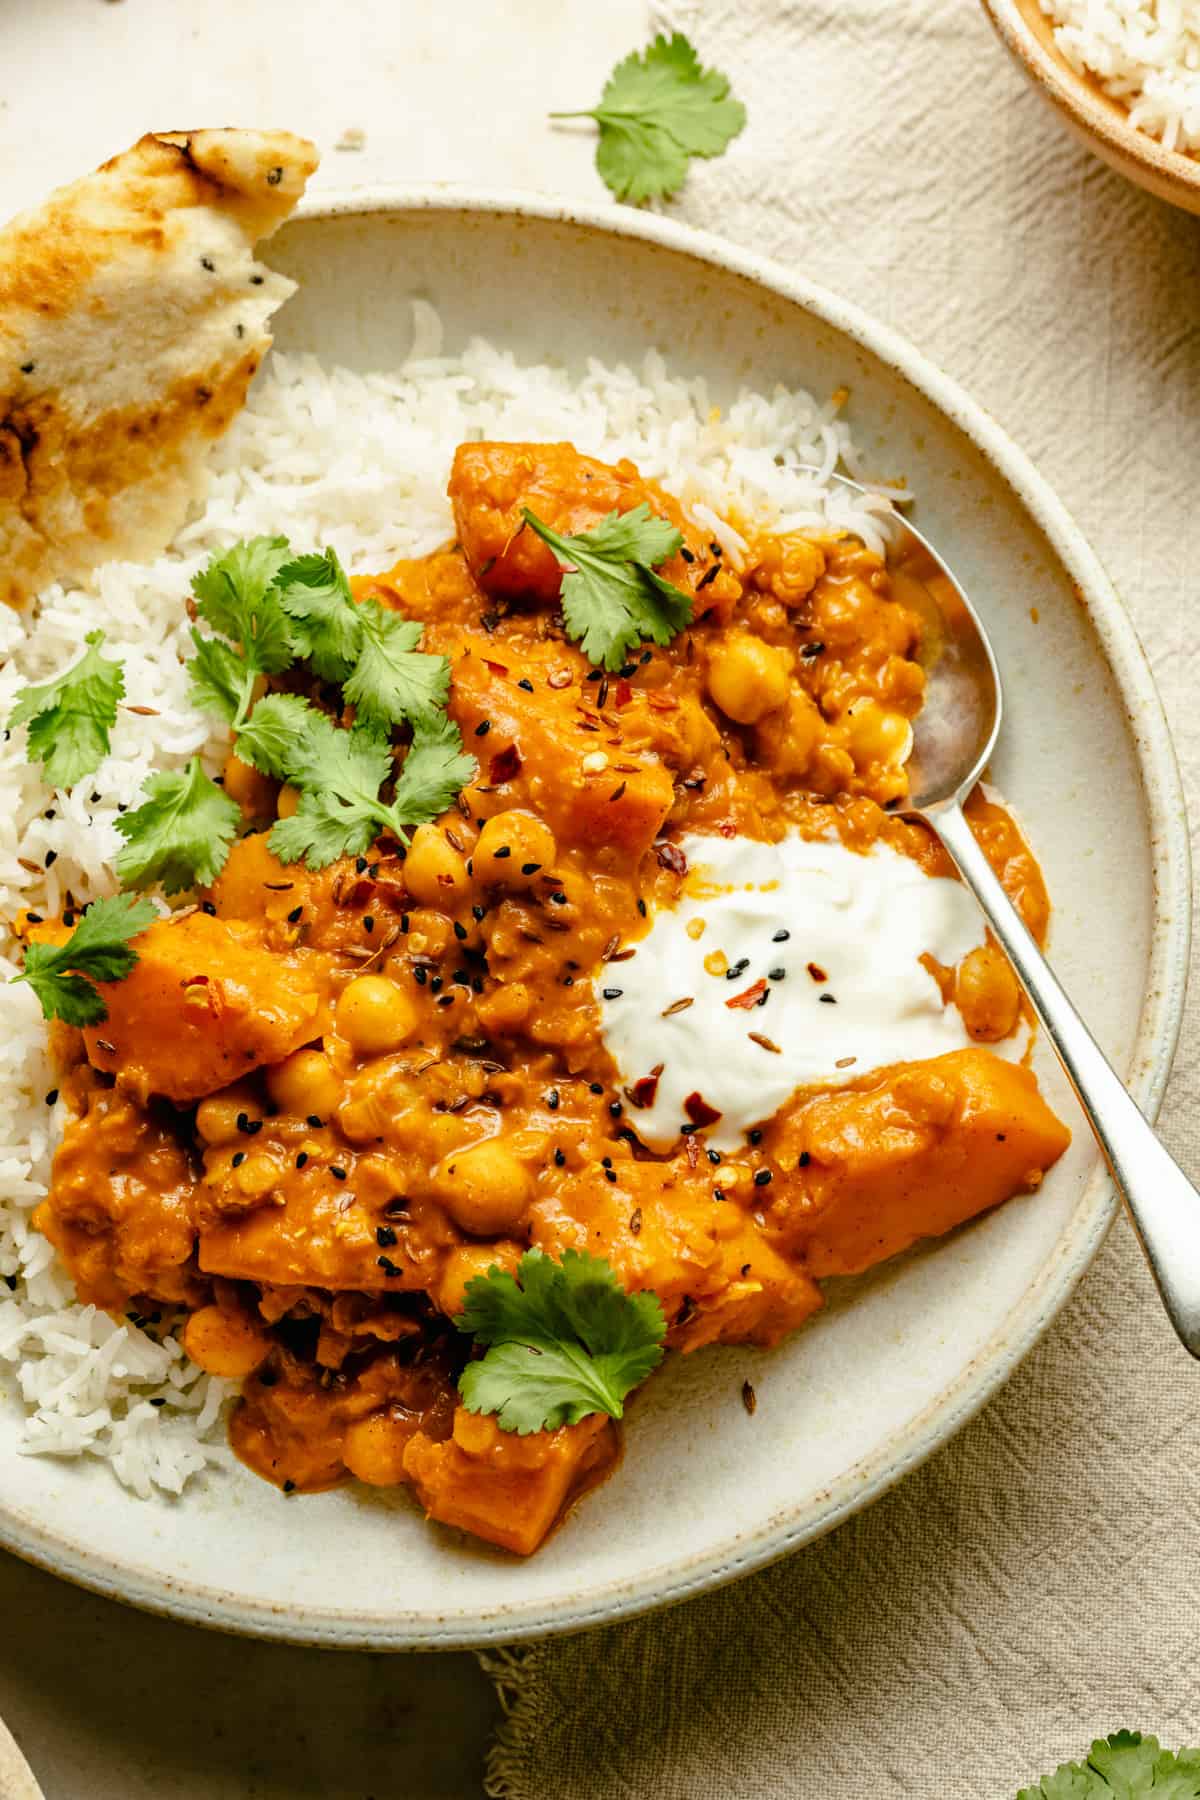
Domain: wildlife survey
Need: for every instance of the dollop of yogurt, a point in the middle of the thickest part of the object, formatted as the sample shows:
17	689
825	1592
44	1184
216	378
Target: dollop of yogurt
782	966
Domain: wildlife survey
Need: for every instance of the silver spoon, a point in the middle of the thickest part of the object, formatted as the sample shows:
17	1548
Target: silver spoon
953	738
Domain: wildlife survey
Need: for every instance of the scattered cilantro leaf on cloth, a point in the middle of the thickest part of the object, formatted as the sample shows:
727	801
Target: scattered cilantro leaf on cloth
658	110
61	975
236	596
340	774
393	681
315	594
70	717
563	1340
612	600
1124	1766
180	835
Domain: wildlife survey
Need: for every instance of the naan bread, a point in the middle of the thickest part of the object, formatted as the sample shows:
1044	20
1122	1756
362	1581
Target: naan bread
132	319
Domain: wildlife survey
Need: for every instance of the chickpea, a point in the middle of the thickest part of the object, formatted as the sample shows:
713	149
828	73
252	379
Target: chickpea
288	801
468	1261
787	740
875	735
505	1009
304	1084
227	1343
484	1188
256	1177
987	994
373	1448
217	1116
748	678
375	1016
247	788
434	872
514	848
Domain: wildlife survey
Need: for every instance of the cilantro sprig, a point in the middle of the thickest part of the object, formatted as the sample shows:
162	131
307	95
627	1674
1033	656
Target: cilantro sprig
657	111
563	1340
1124	1766
63	975
236	596
70	717
340	774
180	835
612	599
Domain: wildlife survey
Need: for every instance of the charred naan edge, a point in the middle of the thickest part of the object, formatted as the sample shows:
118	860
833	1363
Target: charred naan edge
133	317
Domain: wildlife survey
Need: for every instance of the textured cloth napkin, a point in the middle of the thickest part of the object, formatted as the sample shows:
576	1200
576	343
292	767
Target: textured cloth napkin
1038	1582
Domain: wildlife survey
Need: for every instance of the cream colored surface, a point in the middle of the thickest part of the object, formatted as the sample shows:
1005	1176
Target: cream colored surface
1036	1583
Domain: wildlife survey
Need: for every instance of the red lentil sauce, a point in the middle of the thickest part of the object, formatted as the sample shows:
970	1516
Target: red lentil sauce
322	1103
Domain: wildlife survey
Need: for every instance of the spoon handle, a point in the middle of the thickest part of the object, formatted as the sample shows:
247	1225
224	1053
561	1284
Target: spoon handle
1162	1203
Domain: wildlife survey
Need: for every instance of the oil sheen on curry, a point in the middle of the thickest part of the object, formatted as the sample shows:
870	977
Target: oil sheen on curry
672	984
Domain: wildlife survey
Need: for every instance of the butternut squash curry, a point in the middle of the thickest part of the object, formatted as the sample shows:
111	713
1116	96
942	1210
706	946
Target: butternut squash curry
354	1109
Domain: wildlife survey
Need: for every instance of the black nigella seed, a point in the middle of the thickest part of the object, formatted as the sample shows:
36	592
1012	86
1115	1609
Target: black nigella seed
714	1157
718	1193
436	985
560	1157
10	1282
158	1400
827	1000
51	858
527	685
595	1087
803	1159
239	1157
776	974
337	1173
645	657
781	937
387	1265
626	670
360	863
295	915
460	930
610	1174
763	1178
33	918
641	905
420	975
755	1136
446	1000
315	1121
206	906
612	993
51	1097
460	978
404	922
289	1487
477	913
606	1162
206	262
739	968
482	729
500	854
614	1107
302	1159
552	1099
688	1130
384	1235
368	922
274	176
568	981
596	675
559	899
530	868
688	556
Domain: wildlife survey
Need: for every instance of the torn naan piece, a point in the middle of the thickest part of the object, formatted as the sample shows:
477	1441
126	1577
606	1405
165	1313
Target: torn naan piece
133	317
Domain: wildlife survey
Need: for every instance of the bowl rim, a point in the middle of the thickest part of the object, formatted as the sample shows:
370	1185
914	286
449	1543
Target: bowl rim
1086	104
1158	1030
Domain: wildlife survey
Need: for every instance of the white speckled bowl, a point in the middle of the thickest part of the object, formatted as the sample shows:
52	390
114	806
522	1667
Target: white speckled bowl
903	1357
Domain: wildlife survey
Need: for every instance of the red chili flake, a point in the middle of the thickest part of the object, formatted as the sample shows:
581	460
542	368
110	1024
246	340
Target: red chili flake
752	997
495	667
699	1111
623	694
671	857
817	972
505	765
561	678
643	1092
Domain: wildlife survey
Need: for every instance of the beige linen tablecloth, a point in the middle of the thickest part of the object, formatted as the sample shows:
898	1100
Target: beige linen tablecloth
1038	1582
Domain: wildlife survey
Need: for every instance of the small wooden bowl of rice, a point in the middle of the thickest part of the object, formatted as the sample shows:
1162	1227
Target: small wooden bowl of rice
1125	82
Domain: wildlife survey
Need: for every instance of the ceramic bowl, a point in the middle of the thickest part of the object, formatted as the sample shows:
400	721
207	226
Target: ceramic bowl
16	1777
1102	123
904	1356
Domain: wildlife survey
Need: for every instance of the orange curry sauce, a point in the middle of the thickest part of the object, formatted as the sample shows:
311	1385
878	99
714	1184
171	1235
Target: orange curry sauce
322	1103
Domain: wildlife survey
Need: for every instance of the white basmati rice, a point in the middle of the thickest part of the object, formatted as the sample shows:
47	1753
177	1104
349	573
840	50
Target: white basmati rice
327	457
1144	53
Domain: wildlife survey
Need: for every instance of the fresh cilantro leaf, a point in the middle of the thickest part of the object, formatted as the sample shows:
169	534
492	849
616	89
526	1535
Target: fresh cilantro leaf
1124	1766
563	1340
269	738
340	774
612	600
69	718
61	975
326	624
435	771
657	111
235	595
393	680
180	835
